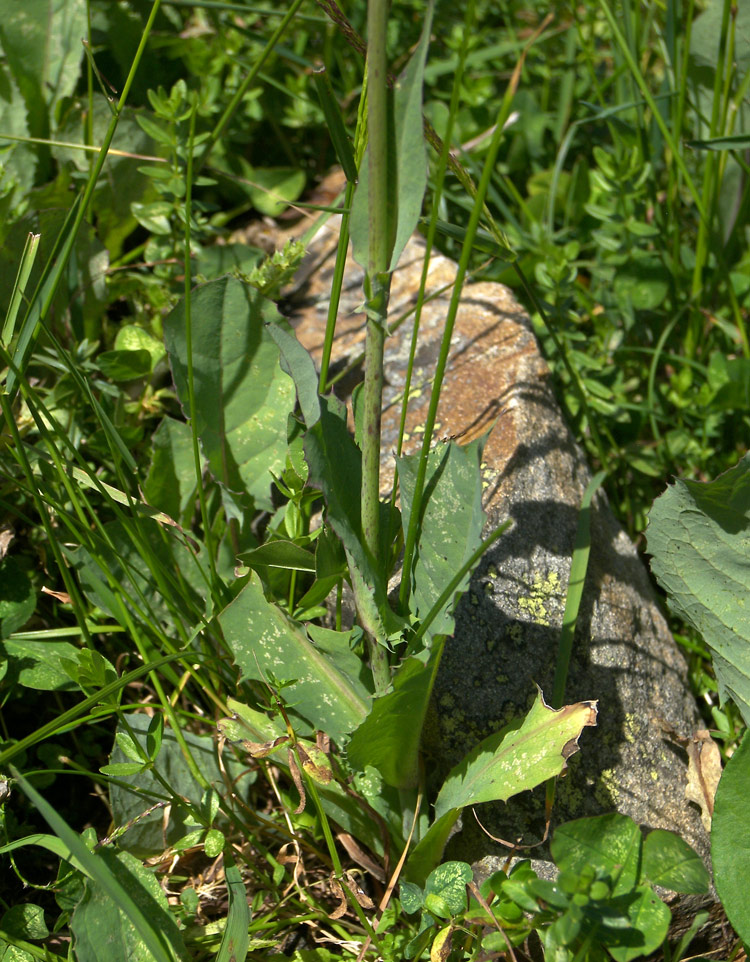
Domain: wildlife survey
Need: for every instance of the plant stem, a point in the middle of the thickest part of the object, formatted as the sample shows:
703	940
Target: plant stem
377	286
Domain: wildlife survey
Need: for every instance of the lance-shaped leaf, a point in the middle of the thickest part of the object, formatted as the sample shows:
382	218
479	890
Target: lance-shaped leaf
326	689
335	464
242	397
451	523
408	156
518	758
389	737
699	539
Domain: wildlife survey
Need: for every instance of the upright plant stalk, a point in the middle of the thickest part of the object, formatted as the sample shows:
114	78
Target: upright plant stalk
377	286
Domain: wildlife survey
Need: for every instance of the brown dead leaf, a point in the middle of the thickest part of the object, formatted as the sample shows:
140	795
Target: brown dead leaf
295	773
62	596
262	749
704	768
338	891
704	772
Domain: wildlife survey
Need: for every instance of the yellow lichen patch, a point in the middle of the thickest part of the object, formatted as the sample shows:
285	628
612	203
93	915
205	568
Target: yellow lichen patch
535	604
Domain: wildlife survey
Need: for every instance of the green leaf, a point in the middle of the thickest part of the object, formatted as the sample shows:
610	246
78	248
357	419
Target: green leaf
38	664
235	941
17	594
699	538
170	484
41	41
130	337
122	572
449	881
649	918
730	839
24	922
411	896
242	396
273	189
390	736
124	365
670	862
279	554
518	758
335	464
99	920
451	524
408	156
220	259
326	691
610	842
298	363
339	804
121	769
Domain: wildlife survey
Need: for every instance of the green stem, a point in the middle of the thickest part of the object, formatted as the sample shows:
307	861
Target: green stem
377	287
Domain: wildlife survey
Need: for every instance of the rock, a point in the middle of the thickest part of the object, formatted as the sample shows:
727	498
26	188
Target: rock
508	623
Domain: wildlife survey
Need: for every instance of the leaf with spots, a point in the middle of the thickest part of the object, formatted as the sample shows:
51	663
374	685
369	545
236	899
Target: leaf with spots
518	758
325	688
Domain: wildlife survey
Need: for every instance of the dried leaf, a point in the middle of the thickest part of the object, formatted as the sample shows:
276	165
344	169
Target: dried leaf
263	749
704	772
295	773
338	891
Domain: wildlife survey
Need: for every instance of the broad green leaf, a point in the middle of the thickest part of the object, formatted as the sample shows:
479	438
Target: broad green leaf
518	758
407	157
427	853
730	839
24	922
649	920
220	259
147	835
19	159
279	554
41	41
390	736
272	189
451	524
326	690
449	881
124	365
38	664
242	397
100	921
171	484
611	842
131	337
668	861
699	539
